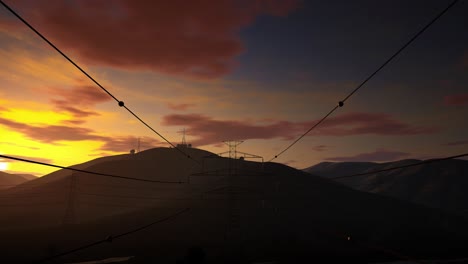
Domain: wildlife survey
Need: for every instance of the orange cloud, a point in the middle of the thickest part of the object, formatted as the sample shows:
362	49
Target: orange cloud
179	107
51	133
76	99
44	160
320	148
185	38
22	64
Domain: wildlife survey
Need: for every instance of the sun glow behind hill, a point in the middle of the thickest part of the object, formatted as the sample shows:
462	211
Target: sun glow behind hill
3	166
29	117
63	153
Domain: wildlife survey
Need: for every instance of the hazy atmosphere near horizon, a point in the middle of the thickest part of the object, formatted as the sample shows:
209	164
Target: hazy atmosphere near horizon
259	71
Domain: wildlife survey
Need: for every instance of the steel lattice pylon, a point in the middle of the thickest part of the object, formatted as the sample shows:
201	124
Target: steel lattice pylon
233	147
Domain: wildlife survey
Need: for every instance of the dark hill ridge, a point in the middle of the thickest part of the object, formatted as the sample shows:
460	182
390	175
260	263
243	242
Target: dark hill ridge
283	215
94	195
438	185
8	180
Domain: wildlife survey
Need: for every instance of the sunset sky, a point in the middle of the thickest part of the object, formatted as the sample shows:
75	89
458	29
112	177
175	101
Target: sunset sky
260	71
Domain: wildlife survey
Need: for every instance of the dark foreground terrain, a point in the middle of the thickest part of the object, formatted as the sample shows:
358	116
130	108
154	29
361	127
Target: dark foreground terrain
237	212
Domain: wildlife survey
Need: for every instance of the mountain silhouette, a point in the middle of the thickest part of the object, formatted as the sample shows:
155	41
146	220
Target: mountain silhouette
440	185
8	180
240	212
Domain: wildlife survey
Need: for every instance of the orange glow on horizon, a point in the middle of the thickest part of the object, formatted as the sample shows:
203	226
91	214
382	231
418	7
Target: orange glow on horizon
3	166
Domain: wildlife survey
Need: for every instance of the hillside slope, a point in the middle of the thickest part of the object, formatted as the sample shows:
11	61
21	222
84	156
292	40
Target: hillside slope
240	212
438	185
8	180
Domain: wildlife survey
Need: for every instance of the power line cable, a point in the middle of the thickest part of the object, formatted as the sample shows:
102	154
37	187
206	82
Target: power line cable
115	186
111	238
120	103
400	167
31	204
117	205
11	185
41	194
85	171
187	198
341	103
134	197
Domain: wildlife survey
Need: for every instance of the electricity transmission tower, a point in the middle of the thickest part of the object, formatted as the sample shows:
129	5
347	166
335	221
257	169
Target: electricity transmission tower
233	147
69	217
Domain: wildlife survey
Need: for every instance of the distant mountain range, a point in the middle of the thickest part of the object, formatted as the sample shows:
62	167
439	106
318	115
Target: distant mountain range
239	210
8	180
441	185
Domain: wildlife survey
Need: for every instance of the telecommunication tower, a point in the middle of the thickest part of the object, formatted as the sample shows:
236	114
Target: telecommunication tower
183	144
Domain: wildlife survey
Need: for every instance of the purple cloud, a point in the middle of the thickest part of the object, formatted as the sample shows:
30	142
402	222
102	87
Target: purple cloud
456	99
212	131
378	155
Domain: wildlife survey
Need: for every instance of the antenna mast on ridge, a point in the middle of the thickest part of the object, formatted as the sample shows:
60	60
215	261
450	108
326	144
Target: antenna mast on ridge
183	137
183	144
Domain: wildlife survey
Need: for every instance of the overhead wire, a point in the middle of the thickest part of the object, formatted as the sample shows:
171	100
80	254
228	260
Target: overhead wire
115	186
120	103
35	194
86	171
30	205
133	196
111	238
341	103
106	204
